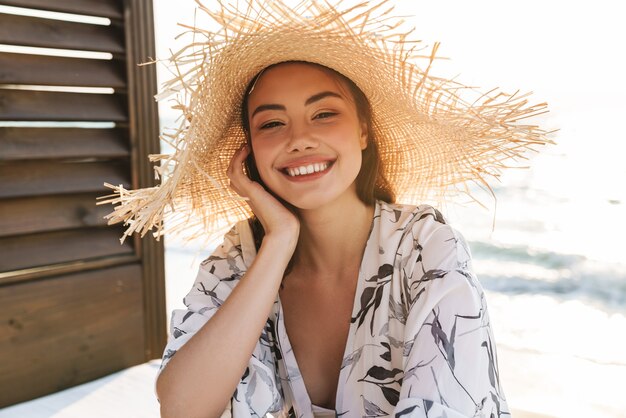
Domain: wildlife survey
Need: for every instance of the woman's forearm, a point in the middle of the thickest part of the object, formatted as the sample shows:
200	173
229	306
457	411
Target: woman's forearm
201	378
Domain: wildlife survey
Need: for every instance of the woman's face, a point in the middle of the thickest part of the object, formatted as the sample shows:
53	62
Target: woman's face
305	134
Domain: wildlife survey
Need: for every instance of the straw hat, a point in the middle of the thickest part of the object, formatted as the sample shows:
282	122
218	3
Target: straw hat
433	141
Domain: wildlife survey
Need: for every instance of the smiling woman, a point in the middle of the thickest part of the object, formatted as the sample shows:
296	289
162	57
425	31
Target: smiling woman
327	297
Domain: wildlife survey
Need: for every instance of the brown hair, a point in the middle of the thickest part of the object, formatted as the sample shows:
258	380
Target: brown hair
371	184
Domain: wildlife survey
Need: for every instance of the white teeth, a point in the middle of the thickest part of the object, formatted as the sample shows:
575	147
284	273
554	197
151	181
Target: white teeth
307	169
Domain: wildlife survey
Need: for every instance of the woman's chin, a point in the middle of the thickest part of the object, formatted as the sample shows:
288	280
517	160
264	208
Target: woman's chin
318	200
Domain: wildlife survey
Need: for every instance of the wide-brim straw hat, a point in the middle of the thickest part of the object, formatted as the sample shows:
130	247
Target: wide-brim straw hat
434	142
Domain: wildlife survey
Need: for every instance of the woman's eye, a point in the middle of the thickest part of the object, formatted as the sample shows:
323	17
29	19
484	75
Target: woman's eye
324	115
270	125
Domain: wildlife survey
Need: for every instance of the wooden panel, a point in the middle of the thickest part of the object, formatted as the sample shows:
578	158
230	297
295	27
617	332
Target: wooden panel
144	131
48	178
60	332
21	105
102	8
50	213
58	326
49	143
25	251
48	33
61	71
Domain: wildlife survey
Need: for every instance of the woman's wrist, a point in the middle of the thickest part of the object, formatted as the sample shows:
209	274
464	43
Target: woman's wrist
280	244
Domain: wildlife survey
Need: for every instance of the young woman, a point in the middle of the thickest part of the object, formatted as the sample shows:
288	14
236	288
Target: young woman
332	299
381	309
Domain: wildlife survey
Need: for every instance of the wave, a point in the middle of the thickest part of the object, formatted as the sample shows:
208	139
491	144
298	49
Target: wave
522	270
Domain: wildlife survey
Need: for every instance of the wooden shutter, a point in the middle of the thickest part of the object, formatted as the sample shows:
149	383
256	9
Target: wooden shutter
75	305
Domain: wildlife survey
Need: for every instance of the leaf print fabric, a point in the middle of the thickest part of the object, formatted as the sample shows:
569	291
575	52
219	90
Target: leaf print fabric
420	343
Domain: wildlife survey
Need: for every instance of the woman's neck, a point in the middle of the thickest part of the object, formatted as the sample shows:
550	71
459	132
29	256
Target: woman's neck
333	237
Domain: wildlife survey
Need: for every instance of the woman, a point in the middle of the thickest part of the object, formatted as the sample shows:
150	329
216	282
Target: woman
332	300
308	139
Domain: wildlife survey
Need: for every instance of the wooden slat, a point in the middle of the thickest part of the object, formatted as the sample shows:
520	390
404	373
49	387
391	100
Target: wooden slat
101	8
49	143
44	70
45	272
52	270
47	178
50	213
48	33
25	251
60	332
20	105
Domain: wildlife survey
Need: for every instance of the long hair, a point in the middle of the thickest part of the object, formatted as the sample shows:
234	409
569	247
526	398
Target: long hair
371	184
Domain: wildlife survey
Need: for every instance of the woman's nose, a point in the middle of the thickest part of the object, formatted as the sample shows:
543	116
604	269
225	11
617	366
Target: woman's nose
301	139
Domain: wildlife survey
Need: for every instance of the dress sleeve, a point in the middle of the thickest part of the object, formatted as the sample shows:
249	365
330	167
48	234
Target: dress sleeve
450	363
258	391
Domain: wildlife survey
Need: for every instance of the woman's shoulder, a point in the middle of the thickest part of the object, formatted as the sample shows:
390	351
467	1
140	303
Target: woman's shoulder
404	216
421	228
237	241
426	249
231	258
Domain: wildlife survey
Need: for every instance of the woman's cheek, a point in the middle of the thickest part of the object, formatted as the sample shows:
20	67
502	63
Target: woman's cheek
263	164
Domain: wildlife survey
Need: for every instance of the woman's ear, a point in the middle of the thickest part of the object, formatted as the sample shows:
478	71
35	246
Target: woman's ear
364	135
250	165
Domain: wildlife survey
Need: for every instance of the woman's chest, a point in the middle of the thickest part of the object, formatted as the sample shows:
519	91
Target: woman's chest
317	321
335	350
317	318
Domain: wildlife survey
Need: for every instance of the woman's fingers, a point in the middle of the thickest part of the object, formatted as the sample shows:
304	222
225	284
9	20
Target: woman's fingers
236	163
238	180
239	157
274	216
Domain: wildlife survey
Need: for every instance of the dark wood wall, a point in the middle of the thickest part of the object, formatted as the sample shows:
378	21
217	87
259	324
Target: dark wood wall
75	305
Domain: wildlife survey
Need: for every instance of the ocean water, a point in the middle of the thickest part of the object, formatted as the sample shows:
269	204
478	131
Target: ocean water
552	262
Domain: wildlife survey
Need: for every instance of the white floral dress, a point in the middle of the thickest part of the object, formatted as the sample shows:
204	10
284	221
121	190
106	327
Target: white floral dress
420	343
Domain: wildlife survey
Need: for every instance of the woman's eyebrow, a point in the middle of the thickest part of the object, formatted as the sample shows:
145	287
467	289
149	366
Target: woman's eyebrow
312	99
267	107
320	96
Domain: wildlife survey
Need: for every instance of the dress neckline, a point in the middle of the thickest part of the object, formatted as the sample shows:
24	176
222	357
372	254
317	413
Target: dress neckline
294	375
321	412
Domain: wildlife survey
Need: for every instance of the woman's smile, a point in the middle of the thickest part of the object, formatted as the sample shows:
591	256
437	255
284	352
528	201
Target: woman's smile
308	172
307	168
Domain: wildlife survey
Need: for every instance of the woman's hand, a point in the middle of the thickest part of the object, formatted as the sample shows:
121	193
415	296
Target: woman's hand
277	220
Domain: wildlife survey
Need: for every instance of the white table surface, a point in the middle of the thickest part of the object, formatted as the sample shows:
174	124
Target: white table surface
128	393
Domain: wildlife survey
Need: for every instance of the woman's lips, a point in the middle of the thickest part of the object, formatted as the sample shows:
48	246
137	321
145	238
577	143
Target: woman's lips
307	169
307	172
